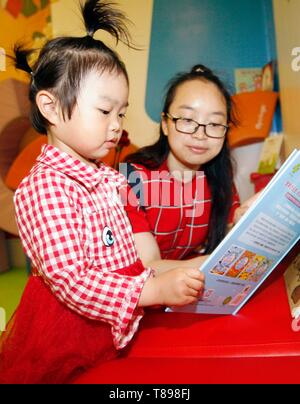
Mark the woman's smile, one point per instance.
(198, 149)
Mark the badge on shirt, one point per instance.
(107, 237)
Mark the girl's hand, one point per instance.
(181, 286)
(176, 287)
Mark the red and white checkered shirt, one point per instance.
(177, 213)
(75, 231)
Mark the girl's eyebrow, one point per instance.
(113, 101)
(187, 107)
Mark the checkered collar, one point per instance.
(89, 176)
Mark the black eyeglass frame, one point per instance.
(173, 119)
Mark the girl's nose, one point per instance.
(116, 125)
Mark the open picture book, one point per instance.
(255, 245)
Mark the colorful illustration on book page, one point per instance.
(240, 265)
(231, 255)
(251, 268)
(236, 300)
(260, 270)
(207, 294)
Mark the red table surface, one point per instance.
(258, 345)
(195, 371)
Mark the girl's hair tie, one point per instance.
(201, 69)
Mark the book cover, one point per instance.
(268, 77)
(292, 283)
(248, 79)
(255, 245)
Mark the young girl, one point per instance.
(85, 300)
(191, 157)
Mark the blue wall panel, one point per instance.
(222, 34)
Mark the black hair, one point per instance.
(63, 62)
(219, 171)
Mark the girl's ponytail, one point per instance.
(100, 15)
(20, 58)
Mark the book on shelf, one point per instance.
(270, 154)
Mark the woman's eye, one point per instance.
(215, 124)
(122, 116)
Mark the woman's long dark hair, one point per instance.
(219, 171)
(63, 62)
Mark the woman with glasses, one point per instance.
(185, 180)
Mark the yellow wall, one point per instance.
(287, 25)
(66, 21)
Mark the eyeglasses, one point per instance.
(190, 127)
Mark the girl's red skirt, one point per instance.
(46, 342)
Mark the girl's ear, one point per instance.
(164, 125)
(48, 106)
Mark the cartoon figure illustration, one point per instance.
(208, 293)
(251, 268)
(243, 87)
(260, 271)
(257, 82)
(240, 265)
(227, 260)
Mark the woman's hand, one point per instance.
(239, 212)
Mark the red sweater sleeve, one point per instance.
(235, 204)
